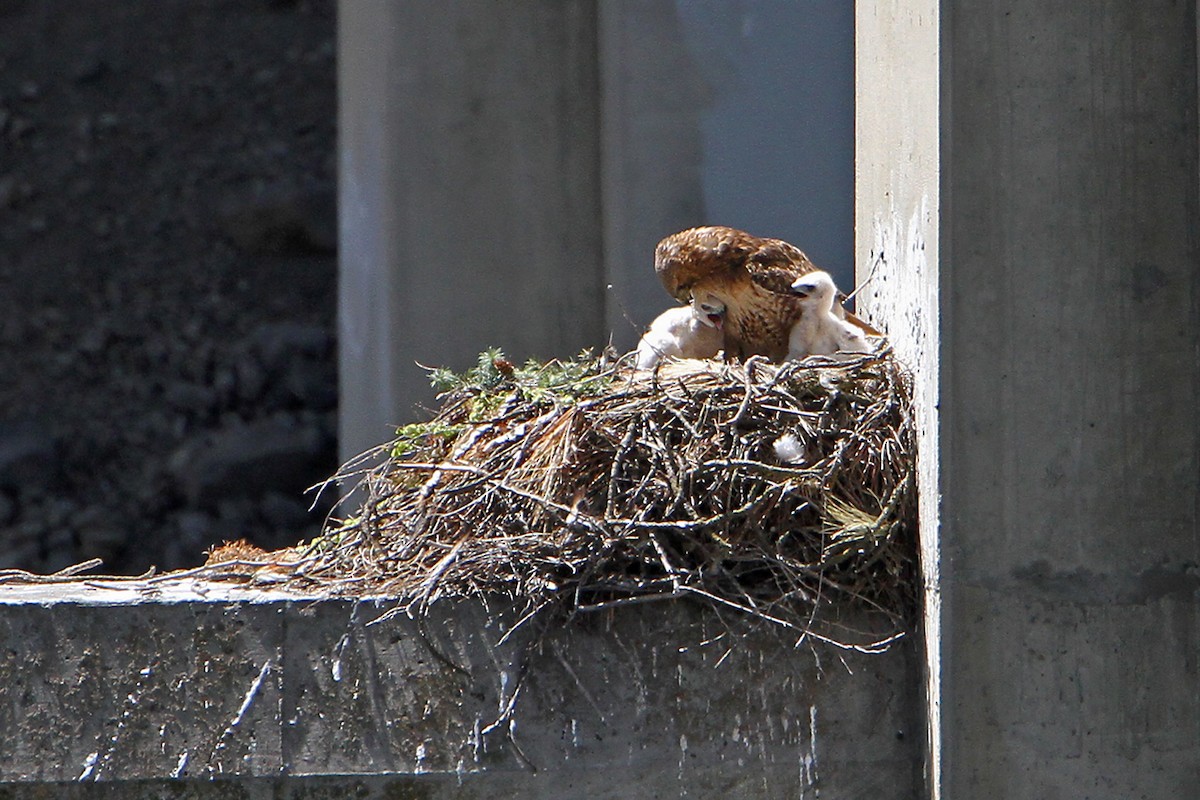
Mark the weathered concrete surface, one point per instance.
(1064, 319)
(658, 700)
(652, 153)
(469, 194)
(897, 205)
(722, 113)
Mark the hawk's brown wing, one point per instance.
(775, 265)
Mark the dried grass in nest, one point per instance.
(632, 487)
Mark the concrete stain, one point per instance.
(1094, 588)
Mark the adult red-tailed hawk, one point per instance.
(819, 331)
(753, 277)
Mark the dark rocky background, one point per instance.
(167, 277)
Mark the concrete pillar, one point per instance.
(719, 113)
(1028, 199)
(652, 153)
(469, 194)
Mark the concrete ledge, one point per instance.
(274, 695)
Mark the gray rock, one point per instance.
(194, 532)
(235, 512)
(311, 384)
(251, 378)
(8, 188)
(99, 532)
(249, 459)
(57, 511)
(95, 339)
(28, 455)
(192, 397)
(90, 69)
(224, 382)
(285, 512)
(165, 81)
(59, 549)
(287, 366)
(278, 342)
(21, 554)
(105, 544)
(194, 526)
(283, 221)
(20, 127)
(237, 518)
(12, 8)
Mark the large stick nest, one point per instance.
(593, 485)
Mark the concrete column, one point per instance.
(469, 172)
(718, 113)
(652, 153)
(897, 205)
(1028, 198)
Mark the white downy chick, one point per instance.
(691, 331)
(790, 450)
(819, 331)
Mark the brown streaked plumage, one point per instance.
(753, 277)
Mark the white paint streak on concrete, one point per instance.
(251, 693)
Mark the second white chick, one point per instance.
(691, 331)
(819, 331)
